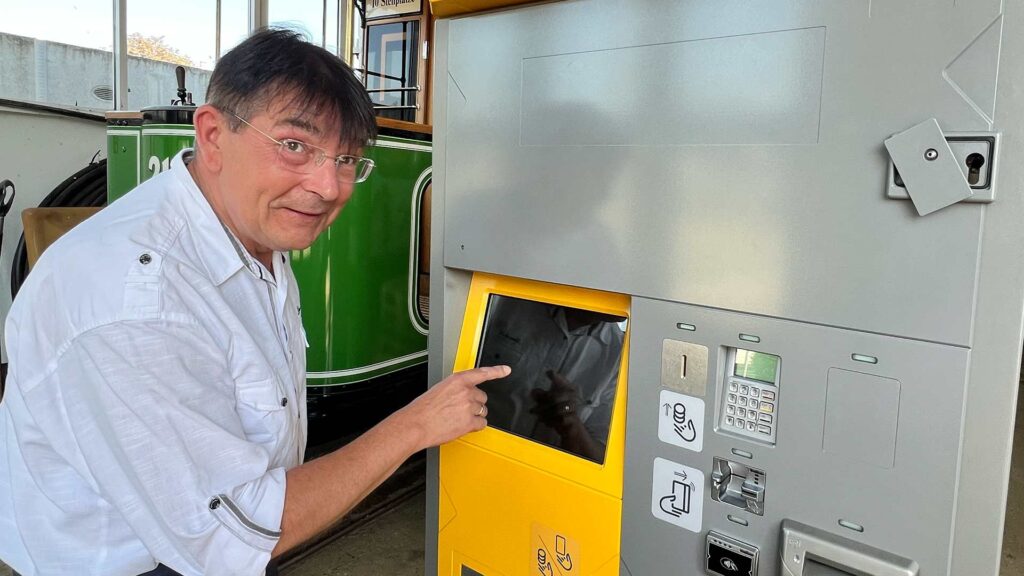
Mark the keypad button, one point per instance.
(732, 398)
(753, 404)
(755, 392)
(733, 386)
(750, 425)
(742, 413)
(767, 407)
(744, 389)
(765, 429)
(730, 409)
(768, 395)
(741, 423)
(730, 421)
(766, 418)
(743, 400)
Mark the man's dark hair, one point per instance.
(276, 62)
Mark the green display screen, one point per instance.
(756, 365)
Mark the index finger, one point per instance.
(478, 376)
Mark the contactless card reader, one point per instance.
(729, 557)
(750, 401)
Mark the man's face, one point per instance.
(269, 205)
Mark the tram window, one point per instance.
(304, 16)
(160, 39)
(65, 60)
(392, 68)
(565, 371)
(332, 28)
(234, 24)
(423, 259)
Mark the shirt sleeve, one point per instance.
(146, 414)
(598, 422)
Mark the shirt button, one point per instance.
(215, 503)
(145, 259)
(284, 401)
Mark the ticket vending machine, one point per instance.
(546, 475)
(802, 220)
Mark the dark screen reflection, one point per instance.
(565, 369)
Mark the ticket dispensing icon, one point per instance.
(677, 502)
(562, 553)
(677, 494)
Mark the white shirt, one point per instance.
(155, 396)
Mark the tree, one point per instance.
(155, 48)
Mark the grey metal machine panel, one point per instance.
(902, 491)
(722, 162)
(725, 153)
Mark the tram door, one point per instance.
(396, 66)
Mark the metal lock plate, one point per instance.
(928, 168)
(975, 153)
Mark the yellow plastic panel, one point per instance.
(501, 495)
(448, 8)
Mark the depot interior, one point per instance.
(746, 339)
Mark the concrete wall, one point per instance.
(35, 70)
(38, 150)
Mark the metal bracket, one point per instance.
(926, 167)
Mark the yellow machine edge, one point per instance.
(449, 8)
(511, 506)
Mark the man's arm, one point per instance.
(322, 491)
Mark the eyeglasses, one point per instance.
(304, 158)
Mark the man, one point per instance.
(154, 418)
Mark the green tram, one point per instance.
(363, 284)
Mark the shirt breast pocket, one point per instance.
(501, 348)
(261, 409)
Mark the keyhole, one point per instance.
(974, 163)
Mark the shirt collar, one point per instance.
(215, 246)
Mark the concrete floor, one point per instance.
(391, 544)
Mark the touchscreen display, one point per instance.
(565, 370)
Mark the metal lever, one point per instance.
(179, 72)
